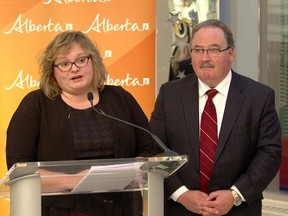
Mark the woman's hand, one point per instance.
(57, 181)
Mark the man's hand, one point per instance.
(217, 203)
(195, 201)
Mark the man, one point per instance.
(248, 134)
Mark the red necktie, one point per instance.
(208, 140)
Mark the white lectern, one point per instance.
(25, 183)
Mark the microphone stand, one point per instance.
(164, 148)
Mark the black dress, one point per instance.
(93, 139)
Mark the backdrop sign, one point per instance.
(124, 31)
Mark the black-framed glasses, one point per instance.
(67, 65)
(210, 51)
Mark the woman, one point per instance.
(57, 122)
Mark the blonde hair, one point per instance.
(62, 44)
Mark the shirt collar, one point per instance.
(222, 87)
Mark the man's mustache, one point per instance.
(206, 65)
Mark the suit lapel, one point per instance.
(234, 102)
(190, 97)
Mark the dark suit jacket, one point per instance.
(249, 147)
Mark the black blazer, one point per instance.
(249, 147)
(40, 125)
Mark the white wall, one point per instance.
(164, 42)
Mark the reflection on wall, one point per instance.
(274, 69)
(184, 14)
(283, 83)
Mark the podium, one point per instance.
(25, 183)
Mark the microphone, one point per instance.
(164, 148)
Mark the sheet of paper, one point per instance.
(108, 177)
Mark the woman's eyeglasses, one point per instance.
(67, 65)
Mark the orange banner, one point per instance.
(123, 30)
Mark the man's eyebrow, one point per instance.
(210, 46)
